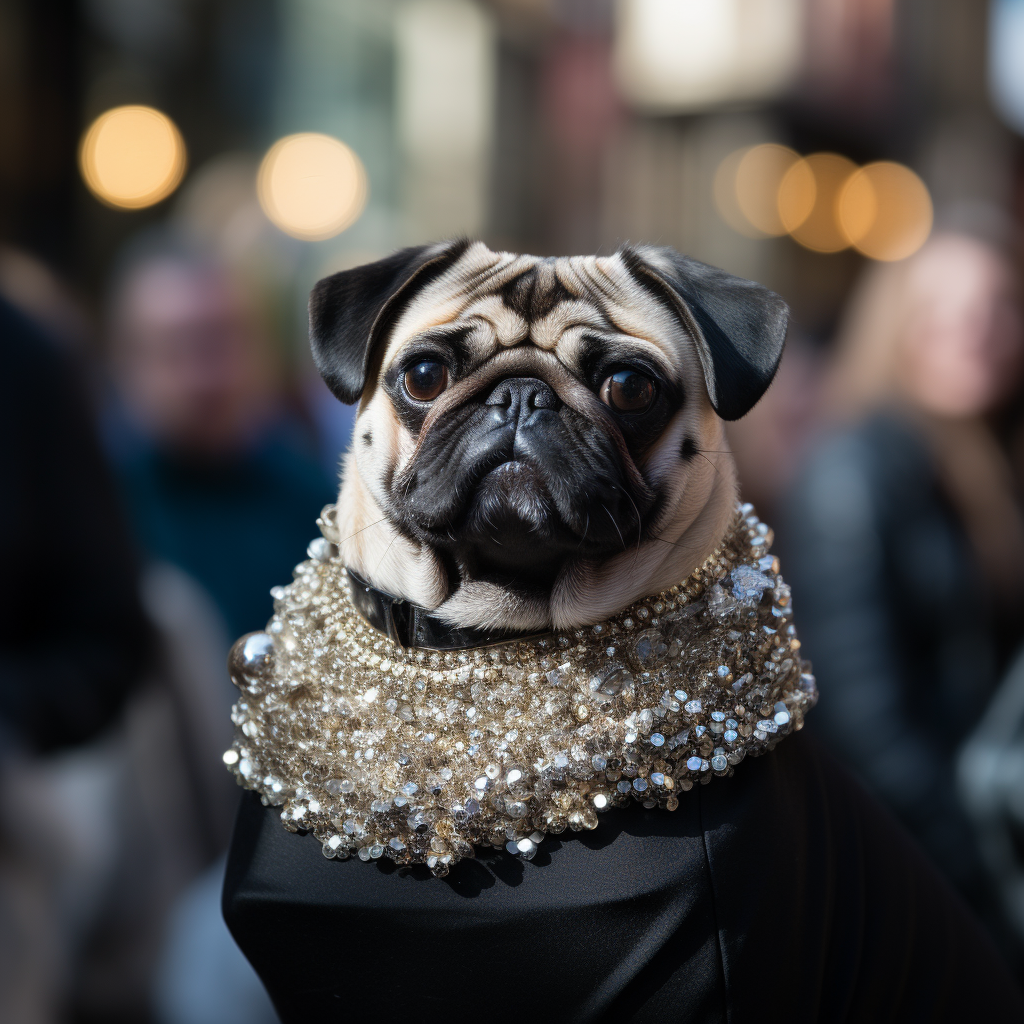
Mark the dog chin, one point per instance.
(512, 528)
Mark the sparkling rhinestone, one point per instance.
(363, 716)
(611, 679)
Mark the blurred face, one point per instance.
(191, 364)
(964, 346)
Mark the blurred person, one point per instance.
(906, 542)
(990, 776)
(73, 643)
(72, 632)
(219, 480)
(223, 486)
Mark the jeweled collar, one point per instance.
(382, 749)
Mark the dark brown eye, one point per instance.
(425, 381)
(628, 391)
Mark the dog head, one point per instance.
(539, 442)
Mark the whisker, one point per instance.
(586, 530)
(708, 461)
(356, 534)
(615, 524)
(385, 555)
(674, 543)
(639, 524)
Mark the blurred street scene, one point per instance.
(175, 175)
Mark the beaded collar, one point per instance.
(420, 755)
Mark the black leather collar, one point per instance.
(409, 625)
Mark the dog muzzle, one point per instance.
(386, 733)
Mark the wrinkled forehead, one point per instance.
(497, 300)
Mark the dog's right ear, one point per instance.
(350, 311)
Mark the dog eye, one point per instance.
(425, 381)
(628, 391)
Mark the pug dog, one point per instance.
(539, 441)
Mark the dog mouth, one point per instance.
(520, 489)
(511, 522)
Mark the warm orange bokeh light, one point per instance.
(885, 211)
(759, 174)
(132, 157)
(796, 195)
(312, 186)
(807, 200)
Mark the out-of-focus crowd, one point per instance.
(151, 502)
(154, 496)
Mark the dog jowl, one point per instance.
(539, 442)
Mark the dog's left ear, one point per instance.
(739, 326)
(350, 311)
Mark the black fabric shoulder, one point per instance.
(781, 894)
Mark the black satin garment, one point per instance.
(781, 894)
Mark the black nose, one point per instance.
(518, 397)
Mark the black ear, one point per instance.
(739, 326)
(350, 311)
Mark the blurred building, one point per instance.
(545, 125)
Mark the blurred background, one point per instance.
(174, 177)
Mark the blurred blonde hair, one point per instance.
(863, 375)
(971, 465)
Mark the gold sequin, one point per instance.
(419, 756)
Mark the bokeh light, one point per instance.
(723, 191)
(132, 157)
(885, 211)
(796, 195)
(759, 174)
(312, 186)
(807, 197)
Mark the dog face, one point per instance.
(539, 441)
